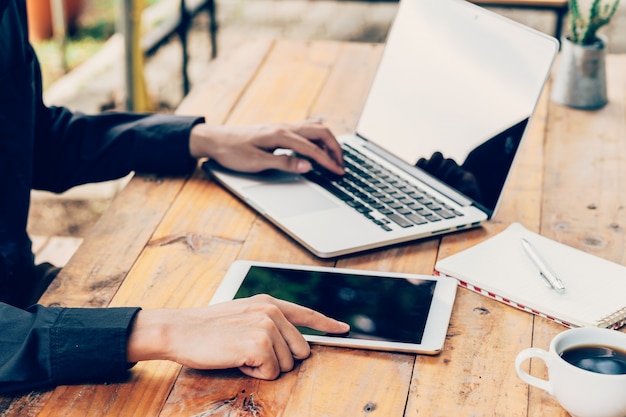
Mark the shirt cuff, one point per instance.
(89, 344)
(163, 146)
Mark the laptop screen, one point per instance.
(454, 92)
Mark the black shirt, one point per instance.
(52, 148)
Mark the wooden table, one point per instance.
(168, 243)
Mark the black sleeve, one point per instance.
(46, 346)
(74, 148)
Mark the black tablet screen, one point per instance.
(387, 309)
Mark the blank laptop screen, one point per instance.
(454, 92)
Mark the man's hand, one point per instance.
(256, 335)
(250, 148)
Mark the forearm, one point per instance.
(72, 148)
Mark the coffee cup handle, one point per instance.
(529, 379)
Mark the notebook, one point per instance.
(454, 92)
(500, 268)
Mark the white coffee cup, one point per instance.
(581, 392)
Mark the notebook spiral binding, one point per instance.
(614, 320)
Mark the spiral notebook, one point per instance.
(499, 268)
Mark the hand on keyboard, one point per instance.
(379, 194)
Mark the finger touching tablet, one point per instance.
(386, 311)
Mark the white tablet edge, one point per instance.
(437, 322)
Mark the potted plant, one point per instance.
(580, 81)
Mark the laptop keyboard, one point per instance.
(379, 194)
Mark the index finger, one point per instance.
(324, 139)
(303, 316)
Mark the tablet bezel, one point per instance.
(436, 324)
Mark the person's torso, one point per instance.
(18, 97)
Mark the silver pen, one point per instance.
(548, 275)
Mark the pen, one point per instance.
(545, 271)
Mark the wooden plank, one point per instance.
(350, 382)
(586, 159)
(226, 78)
(202, 212)
(26, 405)
(110, 249)
(186, 259)
(287, 83)
(340, 102)
(306, 391)
(278, 247)
(102, 263)
(225, 393)
(584, 195)
(122, 400)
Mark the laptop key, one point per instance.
(434, 207)
(399, 220)
(433, 217)
(416, 218)
(329, 186)
(445, 214)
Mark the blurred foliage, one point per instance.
(96, 24)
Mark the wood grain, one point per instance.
(167, 243)
(585, 193)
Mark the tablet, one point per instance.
(386, 311)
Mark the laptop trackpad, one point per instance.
(290, 199)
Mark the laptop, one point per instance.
(444, 118)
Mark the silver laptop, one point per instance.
(443, 120)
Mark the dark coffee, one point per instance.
(599, 359)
